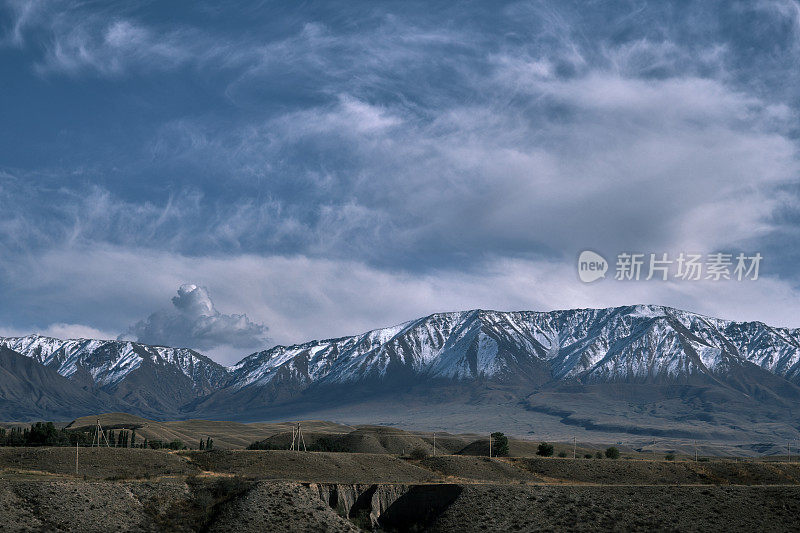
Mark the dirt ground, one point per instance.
(281, 506)
(172, 505)
(606, 471)
(454, 468)
(312, 466)
(147, 490)
(96, 463)
(76, 505)
(576, 508)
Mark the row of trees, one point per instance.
(42, 434)
(123, 439)
(47, 434)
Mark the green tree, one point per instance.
(202, 444)
(42, 434)
(499, 444)
(612, 453)
(545, 449)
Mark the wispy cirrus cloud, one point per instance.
(416, 148)
(111, 40)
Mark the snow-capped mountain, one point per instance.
(525, 350)
(152, 378)
(590, 345)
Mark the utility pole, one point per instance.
(490, 445)
(695, 451)
(100, 433)
(293, 437)
(434, 444)
(574, 447)
(300, 434)
(789, 452)
(76, 457)
(654, 449)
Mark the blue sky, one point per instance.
(322, 168)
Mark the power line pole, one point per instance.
(76, 457)
(695, 451)
(300, 437)
(434, 444)
(100, 433)
(574, 447)
(490, 445)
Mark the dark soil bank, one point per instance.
(229, 504)
(594, 508)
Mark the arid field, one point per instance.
(280, 490)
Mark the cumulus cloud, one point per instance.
(194, 322)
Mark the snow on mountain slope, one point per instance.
(623, 344)
(108, 363)
(591, 345)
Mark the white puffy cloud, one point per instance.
(194, 322)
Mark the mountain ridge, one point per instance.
(520, 357)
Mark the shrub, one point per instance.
(612, 453)
(562, 454)
(419, 453)
(327, 444)
(545, 450)
(670, 457)
(599, 455)
(499, 444)
(587, 456)
(266, 445)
